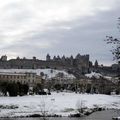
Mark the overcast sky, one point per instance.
(37, 27)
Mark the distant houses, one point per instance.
(61, 81)
(24, 78)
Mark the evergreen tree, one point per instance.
(13, 89)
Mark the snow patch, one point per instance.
(50, 73)
(93, 74)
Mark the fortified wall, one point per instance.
(80, 62)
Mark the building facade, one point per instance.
(24, 78)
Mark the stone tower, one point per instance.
(48, 57)
(71, 60)
(4, 58)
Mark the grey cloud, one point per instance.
(86, 35)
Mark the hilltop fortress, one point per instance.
(80, 62)
(78, 65)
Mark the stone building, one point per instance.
(24, 78)
(80, 62)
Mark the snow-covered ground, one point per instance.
(49, 72)
(93, 74)
(97, 76)
(58, 103)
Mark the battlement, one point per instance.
(78, 56)
(80, 62)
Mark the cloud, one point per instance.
(56, 26)
(22, 16)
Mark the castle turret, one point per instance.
(63, 59)
(82, 63)
(48, 57)
(58, 57)
(54, 58)
(18, 58)
(24, 58)
(71, 60)
(78, 56)
(96, 64)
(34, 58)
(4, 58)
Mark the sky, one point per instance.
(66, 27)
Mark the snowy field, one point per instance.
(58, 103)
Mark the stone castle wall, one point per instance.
(80, 62)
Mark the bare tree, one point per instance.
(115, 42)
(43, 110)
(46, 108)
(80, 106)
